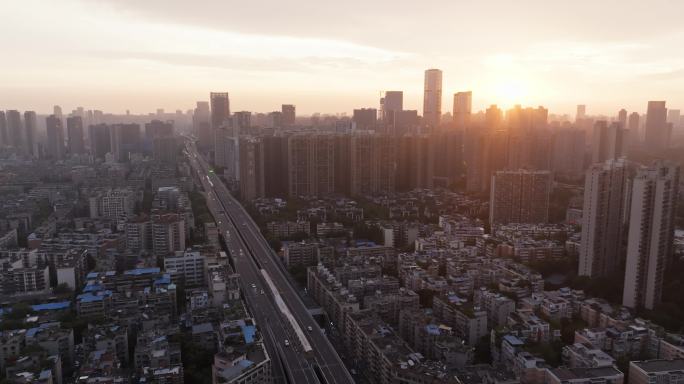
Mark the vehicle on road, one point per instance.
(253, 285)
(287, 343)
(309, 328)
(262, 291)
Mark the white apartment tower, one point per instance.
(650, 236)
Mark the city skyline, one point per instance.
(119, 56)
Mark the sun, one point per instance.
(511, 92)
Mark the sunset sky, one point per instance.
(333, 56)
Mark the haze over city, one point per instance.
(359, 192)
(331, 57)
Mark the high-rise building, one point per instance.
(463, 105)
(311, 165)
(391, 105)
(165, 149)
(415, 162)
(568, 151)
(372, 164)
(3, 129)
(220, 108)
(622, 118)
(432, 97)
(674, 118)
(158, 128)
(288, 114)
(14, 129)
(493, 118)
(608, 142)
(30, 123)
(651, 234)
(55, 137)
(243, 120)
(201, 122)
(581, 112)
(276, 165)
(252, 183)
(447, 148)
(100, 140)
(602, 218)
(657, 133)
(520, 196)
(57, 112)
(365, 118)
(168, 233)
(633, 128)
(75, 145)
(226, 151)
(125, 140)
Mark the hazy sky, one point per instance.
(333, 56)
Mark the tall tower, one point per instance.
(520, 196)
(220, 108)
(463, 104)
(3, 129)
(581, 112)
(650, 236)
(75, 142)
(657, 133)
(432, 97)
(604, 192)
(14, 130)
(55, 137)
(201, 122)
(288, 114)
(633, 127)
(608, 142)
(30, 122)
(622, 118)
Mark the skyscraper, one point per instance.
(493, 118)
(391, 105)
(673, 118)
(201, 122)
(365, 118)
(220, 108)
(604, 193)
(463, 104)
(55, 138)
(252, 183)
(100, 141)
(75, 142)
(581, 112)
(432, 97)
(14, 129)
(3, 129)
(622, 118)
(288, 111)
(125, 139)
(657, 134)
(372, 164)
(651, 232)
(568, 151)
(608, 142)
(243, 120)
(633, 127)
(311, 165)
(520, 196)
(30, 122)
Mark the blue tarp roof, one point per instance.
(248, 331)
(432, 329)
(51, 306)
(142, 271)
